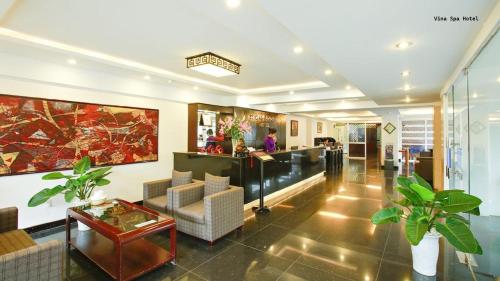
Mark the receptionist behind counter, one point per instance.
(270, 141)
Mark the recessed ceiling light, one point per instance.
(474, 95)
(328, 72)
(348, 87)
(231, 4)
(291, 92)
(406, 87)
(147, 77)
(405, 73)
(404, 45)
(71, 61)
(498, 79)
(196, 88)
(408, 99)
(298, 49)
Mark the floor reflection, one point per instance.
(324, 233)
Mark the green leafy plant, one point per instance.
(79, 185)
(425, 209)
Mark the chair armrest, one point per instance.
(155, 188)
(39, 262)
(224, 210)
(187, 194)
(8, 219)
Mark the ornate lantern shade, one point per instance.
(212, 64)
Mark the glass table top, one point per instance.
(122, 215)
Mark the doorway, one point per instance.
(373, 141)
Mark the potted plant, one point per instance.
(79, 185)
(428, 215)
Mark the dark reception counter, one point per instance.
(289, 167)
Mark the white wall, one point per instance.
(392, 116)
(307, 131)
(326, 132)
(25, 76)
(301, 139)
(126, 180)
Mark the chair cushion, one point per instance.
(194, 212)
(214, 184)
(158, 203)
(180, 178)
(14, 240)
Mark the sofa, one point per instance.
(157, 195)
(208, 216)
(21, 259)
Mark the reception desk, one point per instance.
(288, 168)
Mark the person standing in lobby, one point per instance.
(270, 141)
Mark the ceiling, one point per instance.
(355, 39)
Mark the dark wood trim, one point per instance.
(192, 127)
(215, 55)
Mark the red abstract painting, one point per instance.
(41, 135)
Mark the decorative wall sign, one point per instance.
(294, 128)
(319, 127)
(41, 135)
(389, 128)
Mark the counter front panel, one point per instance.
(288, 168)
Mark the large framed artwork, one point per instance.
(294, 128)
(41, 135)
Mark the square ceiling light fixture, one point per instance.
(212, 64)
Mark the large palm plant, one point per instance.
(425, 209)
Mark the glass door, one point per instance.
(460, 167)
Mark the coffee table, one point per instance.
(116, 242)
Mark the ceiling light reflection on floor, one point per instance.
(333, 215)
(346, 197)
(371, 186)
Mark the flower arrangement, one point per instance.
(234, 128)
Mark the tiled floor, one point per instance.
(322, 234)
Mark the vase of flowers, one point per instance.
(234, 128)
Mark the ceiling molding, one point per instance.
(137, 66)
(488, 29)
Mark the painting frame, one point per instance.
(151, 114)
(319, 127)
(389, 128)
(294, 128)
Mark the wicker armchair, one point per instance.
(21, 259)
(157, 195)
(207, 217)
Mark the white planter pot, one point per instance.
(82, 226)
(425, 254)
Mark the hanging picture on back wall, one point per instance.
(294, 128)
(41, 135)
(319, 127)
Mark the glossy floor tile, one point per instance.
(324, 233)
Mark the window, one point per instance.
(418, 135)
